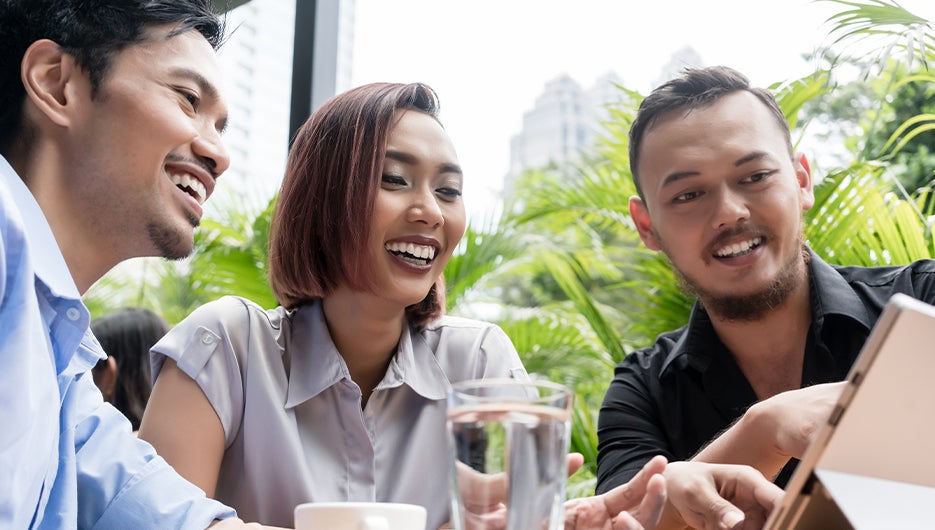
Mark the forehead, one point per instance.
(719, 133)
(160, 51)
(421, 135)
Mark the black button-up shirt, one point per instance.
(676, 396)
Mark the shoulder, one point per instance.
(667, 348)
(883, 275)
(233, 313)
(229, 324)
(916, 279)
(463, 330)
(469, 349)
(449, 323)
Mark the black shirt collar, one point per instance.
(830, 295)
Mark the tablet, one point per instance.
(873, 464)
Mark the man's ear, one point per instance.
(803, 175)
(643, 223)
(48, 76)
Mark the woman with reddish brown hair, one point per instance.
(338, 394)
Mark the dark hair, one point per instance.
(127, 335)
(323, 214)
(695, 88)
(93, 31)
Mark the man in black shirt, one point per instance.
(774, 330)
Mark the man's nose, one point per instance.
(731, 208)
(209, 147)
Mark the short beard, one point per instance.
(750, 307)
(169, 244)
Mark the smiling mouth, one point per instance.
(419, 255)
(190, 185)
(739, 249)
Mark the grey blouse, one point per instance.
(294, 428)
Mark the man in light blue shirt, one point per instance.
(110, 129)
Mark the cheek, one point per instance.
(455, 224)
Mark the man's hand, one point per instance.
(775, 429)
(796, 416)
(635, 505)
(720, 496)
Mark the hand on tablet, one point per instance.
(720, 496)
(796, 416)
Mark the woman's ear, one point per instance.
(48, 75)
(105, 377)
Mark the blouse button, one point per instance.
(73, 314)
(206, 338)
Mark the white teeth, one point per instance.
(187, 181)
(738, 248)
(423, 252)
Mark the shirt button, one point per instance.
(73, 314)
(206, 338)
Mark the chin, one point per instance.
(171, 244)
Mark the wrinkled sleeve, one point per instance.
(122, 482)
(210, 347)
(629, 428)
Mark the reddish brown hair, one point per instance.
(324, 211)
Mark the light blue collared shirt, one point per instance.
(67, 459)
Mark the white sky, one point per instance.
(490, 59)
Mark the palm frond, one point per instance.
(883, 26)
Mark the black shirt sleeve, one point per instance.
(629, 426)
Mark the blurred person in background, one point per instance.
(126, 336)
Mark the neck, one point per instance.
(366, 333)
(87, 256)
(770, 350)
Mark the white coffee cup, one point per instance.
(359, 516)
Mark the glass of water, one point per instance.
(508, 441)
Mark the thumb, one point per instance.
(713, 512)
(574, 461)
(728, 516)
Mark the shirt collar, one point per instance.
(830, 294)
(47, 259)
(316, 364)
(415, 365)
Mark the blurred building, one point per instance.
(566, 120)
(563, 124)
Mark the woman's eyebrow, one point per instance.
(410, 159)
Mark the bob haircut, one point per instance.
(324, 211)
(694, 89)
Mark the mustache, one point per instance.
(206, 164)
(741, 231)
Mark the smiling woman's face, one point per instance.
(418, 215)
